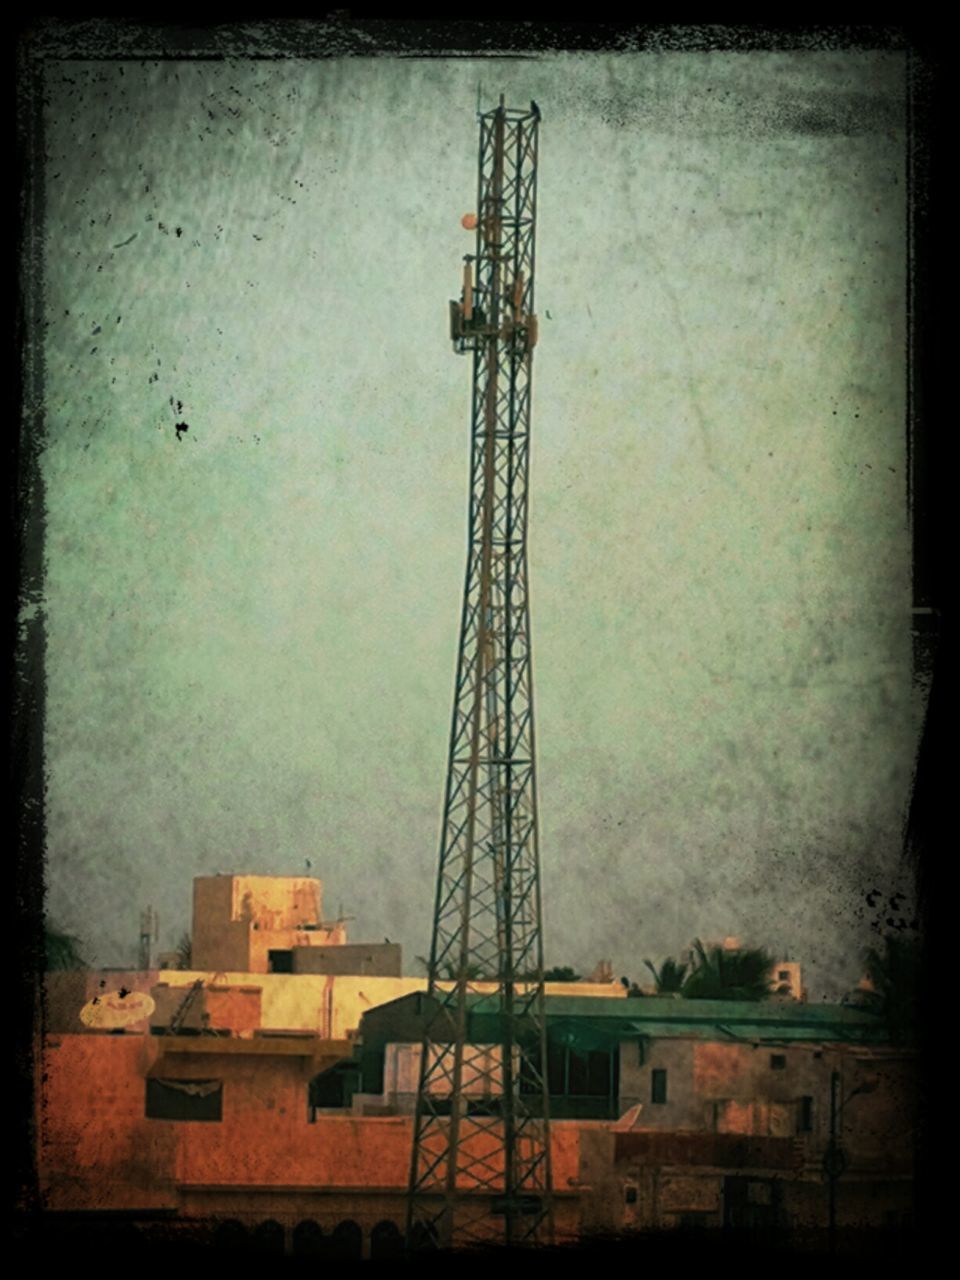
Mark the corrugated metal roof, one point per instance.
(592, 1021)
(597, 1020)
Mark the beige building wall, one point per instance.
(277, 902)
(332, 1005)
(727, 1088)
(785, 980)
(239, 920)
(219, 939)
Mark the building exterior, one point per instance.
(272, 1106)
(717, 1113)
(219, 1132)
(686, 1065)
(665, 1113)
(762, 1163)
(360, 959)
(786, 981)
(251, 924)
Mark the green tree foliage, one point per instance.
(61, 950)
(448, 970)
(894, 970)
(718, 974)
(669, 978)
(561, 973)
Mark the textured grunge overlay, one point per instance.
(251, 443)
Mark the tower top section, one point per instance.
(495, 307)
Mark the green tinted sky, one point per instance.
(252, 629)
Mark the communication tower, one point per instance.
(480, 1170)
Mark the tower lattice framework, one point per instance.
(480, 1168)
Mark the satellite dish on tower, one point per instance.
(113, 1010)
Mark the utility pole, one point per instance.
(480, 1169)
(835, 1158)
(149, 933)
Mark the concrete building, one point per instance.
(717, 1113)
(367, 959)
(272, 1106)
(786, 981)
(330, 1005)
(218, 1134)
(664, 1115)
(763, 1161)
(685, 1064)
(251, 924)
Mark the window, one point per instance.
(658, 1085)
(805, 1116)
(778, 1062)
(629, 1194)
(783, 975)
(280, 961)
(184, 1100)
(589, 1073)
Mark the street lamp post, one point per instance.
(835, 1160)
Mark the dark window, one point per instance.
(783, 975)
(308, 1241)
(231, 1236)
(778, 1061)
(333, 1088)
(577, 1073)
(805, 1116)
(630, 1195)
(556, 1068)
(586, 1075)
(268, 1237)
(184, 1100)
(386, 1241)
(280, 962)
(658, 1085)
(346, 1242)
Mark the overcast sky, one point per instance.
(252, 628)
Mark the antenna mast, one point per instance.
(149, 933)
(480, 1170)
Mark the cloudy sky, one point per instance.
(252, 624)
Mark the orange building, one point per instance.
(262, 1107)
(219, 1132)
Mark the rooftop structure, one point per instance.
(251, 924)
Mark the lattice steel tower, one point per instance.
(480, 1170)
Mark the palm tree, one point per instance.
(449, 969)
(61, 949)
(719, 974)
(669, 977)
(894, 972)
(561, 973)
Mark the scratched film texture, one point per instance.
(253, 622)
